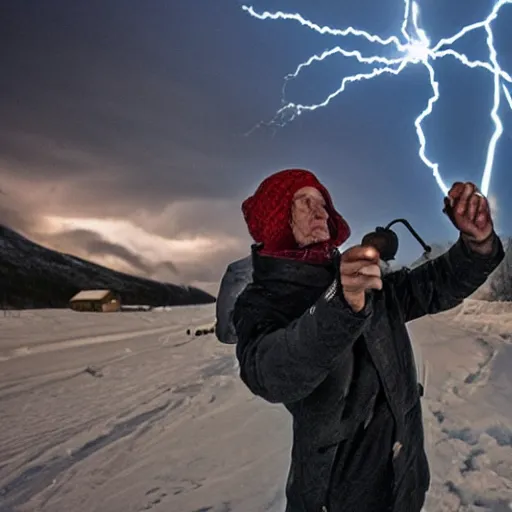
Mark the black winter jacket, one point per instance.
(296, 338)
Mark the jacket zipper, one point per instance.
(336, 257)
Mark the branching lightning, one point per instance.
(412, 47)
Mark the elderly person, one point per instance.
(324, 334)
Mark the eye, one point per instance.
(311, 203)
(315, 203)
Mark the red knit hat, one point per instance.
(267, 212)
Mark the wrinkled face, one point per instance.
(309, 217)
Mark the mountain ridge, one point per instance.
(33, 277)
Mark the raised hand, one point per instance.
(469, 212)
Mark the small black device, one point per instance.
(385, 240)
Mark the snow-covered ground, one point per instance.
(125, 412)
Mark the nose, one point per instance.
(320, 212)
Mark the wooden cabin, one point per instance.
(104, 301)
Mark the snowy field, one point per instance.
(125, 412)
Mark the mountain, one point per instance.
(33, 276)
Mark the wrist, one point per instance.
(483, 247)
(356, 302)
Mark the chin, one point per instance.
(321, 237)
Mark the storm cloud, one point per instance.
(123, 114)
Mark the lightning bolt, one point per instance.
(412, 47)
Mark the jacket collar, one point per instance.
(272, 271)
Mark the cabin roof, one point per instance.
(90, 295)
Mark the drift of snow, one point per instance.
(126, 412)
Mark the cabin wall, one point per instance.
(107, 305)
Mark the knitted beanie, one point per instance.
(267, 212)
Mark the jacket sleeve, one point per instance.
(443, 283)
(284, 365)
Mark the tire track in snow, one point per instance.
(39, 477)
(82, 342)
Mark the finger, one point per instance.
(473, 206)
(483, 206)
(360, 283)
(461, 204)
(456, 190)
(360, 252)
(448, 204)
(371, 271)
(358, 267)
(483, 213)
(452, 197)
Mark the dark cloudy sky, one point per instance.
(122, 125)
